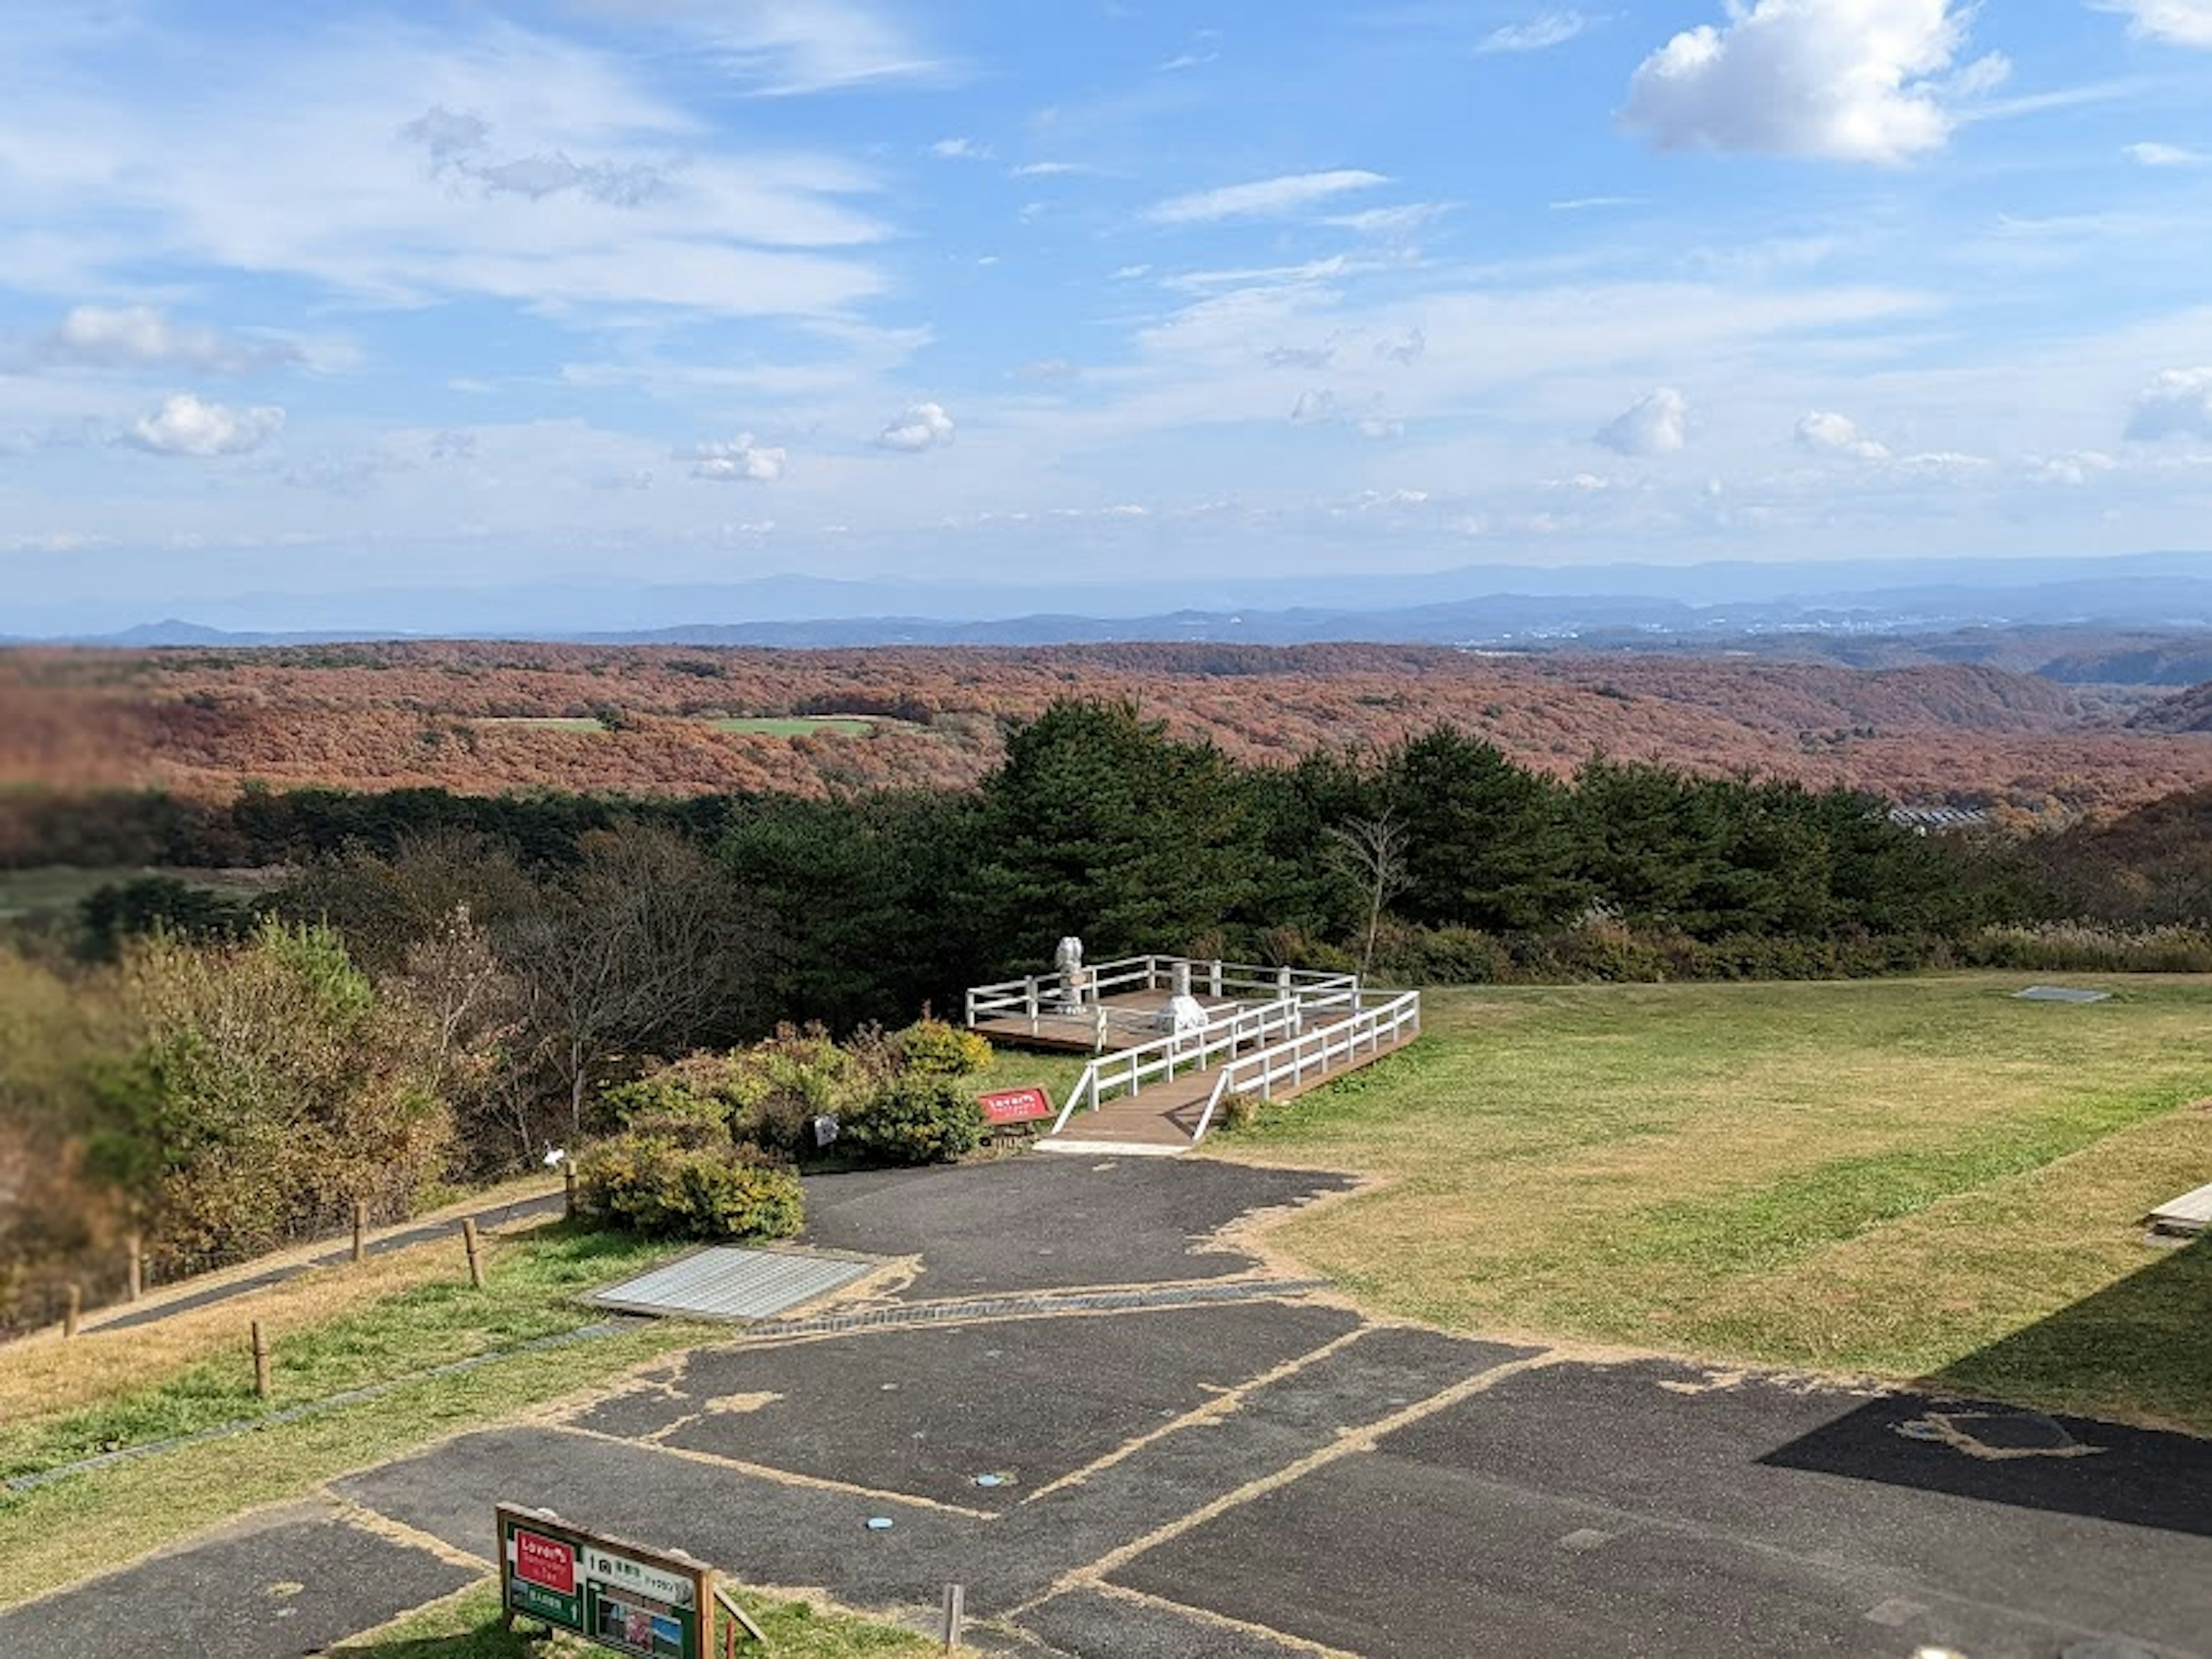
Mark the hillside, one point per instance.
(2184, 711)
(482, 716)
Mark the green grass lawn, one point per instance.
(1917, 1178)
(466, 1626)
(799, 726)
(531, 1286)
(56, 1534)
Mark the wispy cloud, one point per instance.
(2182, 22)
(1538, 34)
(1263, 198)
(2165, 156)
(144, 338)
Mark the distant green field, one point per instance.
(1919, 1178)
(546, 722)
(799, 725)
(56, 890)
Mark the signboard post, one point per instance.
(1003, 1108)
(648, 1604)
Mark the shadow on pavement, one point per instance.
(1956, 1436)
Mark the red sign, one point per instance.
(1015, 1105)
(545, 1561)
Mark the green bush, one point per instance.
(916, 1119)
(683, 1180)
(935, 1048)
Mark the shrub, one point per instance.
(689, 1182)
(917, 1119)
(935, 1048)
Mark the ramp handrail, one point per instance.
(1392, 1020)
(1127, 1070)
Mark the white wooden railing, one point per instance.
(1062, 996)
(1127, 1071)
(1391, 1020)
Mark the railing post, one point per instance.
(1029, 1001)
(971, 1006)
(1217, 977)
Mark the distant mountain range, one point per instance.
(1878, 613)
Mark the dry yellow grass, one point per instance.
(1891, 1176)
(42, 1373)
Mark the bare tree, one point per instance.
(1370, 854)
(643, 946)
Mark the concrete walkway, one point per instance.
(1258, 1474)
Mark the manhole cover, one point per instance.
(722, 1281)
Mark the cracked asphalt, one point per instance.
(1245, 1478)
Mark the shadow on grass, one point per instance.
(2147, 1340)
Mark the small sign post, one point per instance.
(649, 1604)
(1004, 1107)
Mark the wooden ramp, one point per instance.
(2190, 1213)
(1163, 1120)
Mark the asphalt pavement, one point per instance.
(1260, 1474)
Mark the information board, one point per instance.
(1015, 1105)
(646, 1603)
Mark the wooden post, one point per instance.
(261, 1361)
(956, 1615)
(137, 1247)
(1029, 1000)
(1217, 978)
(72, 1308)
(568, 1188)
(360, 1231)
(471, 1243)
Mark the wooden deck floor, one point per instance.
(1164, 1117)
(2189, 1213)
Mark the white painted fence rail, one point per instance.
(1127, 1071)
(1391, 1020)
(1042, 996)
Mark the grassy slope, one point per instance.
(466, 1626)
(58, 1534)
(1916, 1178)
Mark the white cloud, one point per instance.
(1391, 221)
(1826, 433)
(1657, 423)
(2074, 471)
(185, 426)
(2164, 155)
(142, 337)
(2176, 403)
(1261, 198)
(1547, 30)
(959, 149)
(2184, 22)
(923, 426)
(1843, 80)
(741, 461)
(787, 47)
(1048, 169)
(1380, 427)
(1313, 406)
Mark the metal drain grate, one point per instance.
(724, 1282)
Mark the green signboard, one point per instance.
(646, 1603)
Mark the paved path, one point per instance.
(1244, 1479)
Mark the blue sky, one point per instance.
(331, 296)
